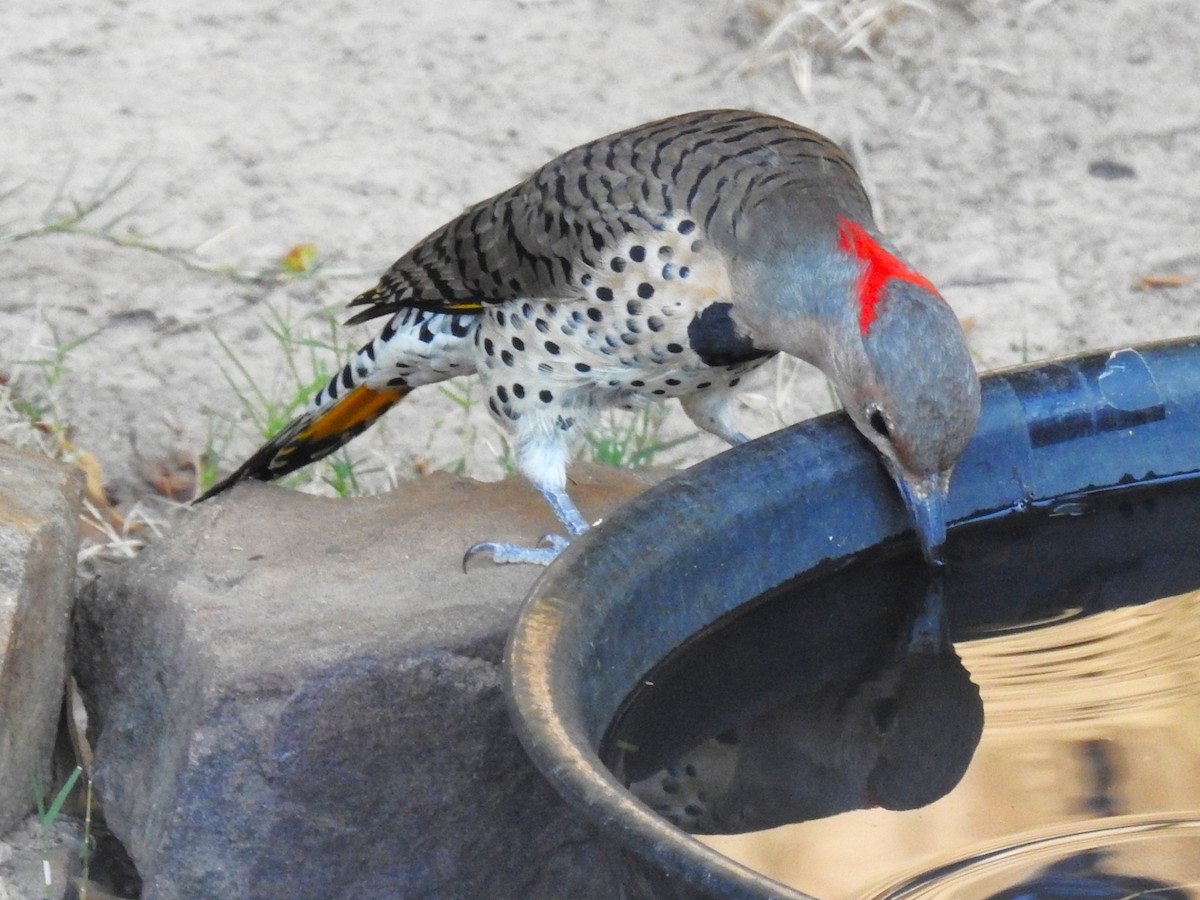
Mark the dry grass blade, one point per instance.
(800, 31)
(114, 539)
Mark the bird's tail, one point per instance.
(315, 434)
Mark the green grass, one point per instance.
(66, 213)
(631, 439)
(41, 405)
(33, 416)
(102, 215)
(48, 814)
(308, 363)
(461, 394)
(310, 349)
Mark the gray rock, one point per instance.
(26, 851)
(39, 538)
(295, 697)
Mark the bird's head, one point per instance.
(893, 350)
(913, 393)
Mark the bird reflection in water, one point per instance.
(881, 713)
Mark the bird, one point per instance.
(896, 732)
(664, 261)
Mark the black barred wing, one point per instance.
(537, 239)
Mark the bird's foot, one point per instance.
(548, 547)
(543, 554)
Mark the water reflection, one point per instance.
(896, 731)
(1085, 876)
(845, 693)
(1086, 721)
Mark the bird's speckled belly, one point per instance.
(623, 341)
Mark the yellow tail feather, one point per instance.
(362, 406)
(314, 435)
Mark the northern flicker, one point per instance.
(664, 261)
(897, 735)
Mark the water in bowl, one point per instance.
(1028, 727)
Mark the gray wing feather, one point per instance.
(528, 242)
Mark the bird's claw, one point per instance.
(543, 554)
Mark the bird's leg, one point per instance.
(564, 509)
(542, 455)
(549, 546)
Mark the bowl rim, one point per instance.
(791, 500)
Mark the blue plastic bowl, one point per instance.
(687, 552)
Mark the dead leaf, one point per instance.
(177, 481)
(1150, 282)
(299, 258)
(93, 489)
(94, 478)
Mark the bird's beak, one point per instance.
(925, 497)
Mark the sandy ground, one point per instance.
(1035, 159)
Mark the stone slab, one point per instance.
(39, 538)
(294, 696)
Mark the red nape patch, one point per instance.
(878, 266)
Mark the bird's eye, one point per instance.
(879, 424)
